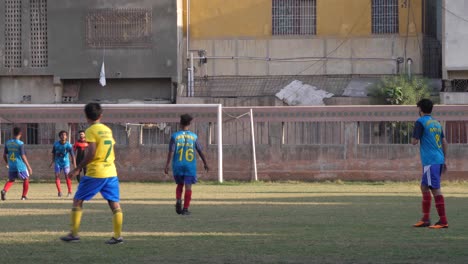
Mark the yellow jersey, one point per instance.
(102, 165)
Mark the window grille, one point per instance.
(380, 133)
(117, 28)
(385, 16)
(294, 17)
(313, 133)
(38, 16)
(13, 45)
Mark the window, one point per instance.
(294, 17)
(119, 28)
(385, 16)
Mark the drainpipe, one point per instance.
(409, 61)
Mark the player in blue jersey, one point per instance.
(62, 152)
(18, 165)
(433, 150)
(182, 149)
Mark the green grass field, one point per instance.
(240, 223)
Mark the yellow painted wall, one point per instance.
(229, 18)
(252, 18)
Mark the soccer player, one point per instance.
(433, 150)
(18, 165)
(79, 148)
(60, 157)
(184, 163)
(101, 175)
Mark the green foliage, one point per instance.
(401, 90)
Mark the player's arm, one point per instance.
(53, 157)
(202, 155)
(5, 155)
(417, 133)
(25, 159)
(72, 156)
(89, 155)
(444, 149)
(169, 155)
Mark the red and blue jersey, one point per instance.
(430, 133)
(184, 144)
(14, 150)
(61, 152)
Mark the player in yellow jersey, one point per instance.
(101, 175)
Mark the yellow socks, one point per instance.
(117, 221)
(76, 220)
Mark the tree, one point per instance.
(401, 90)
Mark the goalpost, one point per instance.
(117, 113)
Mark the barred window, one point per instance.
(381, 133)
(118, 28)
(294, 17)
(313, 133)
(385, 16)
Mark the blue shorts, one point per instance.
(431, 176)
(89, 187)
(13, 175)
(65, 169)
(185, 179)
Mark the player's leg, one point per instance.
(24, 175)
(111, 192)
(12, 175)
(189, 181)
(66, 170)
(179, 180)
(436, 171)
(426, 200)
(57, 170)
(87, 189)
(75, 220)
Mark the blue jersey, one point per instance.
(61, 152)
(14, 149)
(429, 132)
(184, 144)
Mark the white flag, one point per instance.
(102, 75)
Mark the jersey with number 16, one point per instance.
(102, 165)
(184, 144)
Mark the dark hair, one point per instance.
(81, 131)
(63, 132)
(16, 131)
(425, 105)
(93, 111)
(185, 119)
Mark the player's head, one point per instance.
(425, 106)
(185, 120)
(17, 132)
(63, 135)
(81, 134)
(93, 111)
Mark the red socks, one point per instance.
(8, 185)
(57, 183)
(426, 205)
(187, 198)
(440, 205)
(179, 190)
(69, 184)
(25, 187)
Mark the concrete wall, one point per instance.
(278, 162)
(30, 89)
(361, 55)
(455, 40)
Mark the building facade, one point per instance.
(337, 38)
(52, 51)
(455, 43)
